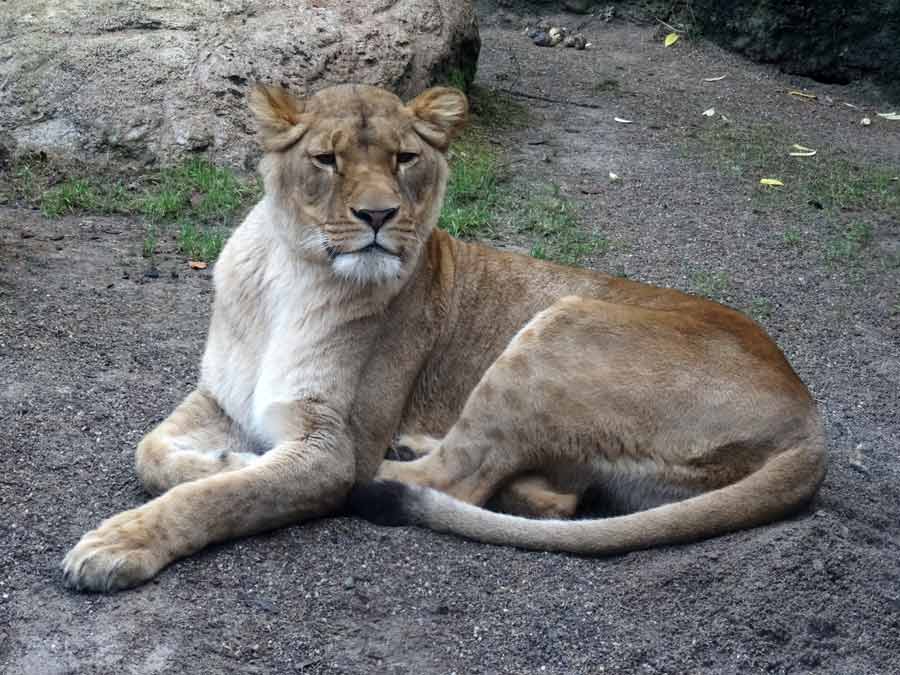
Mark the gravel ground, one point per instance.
(93, 352)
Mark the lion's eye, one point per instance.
(406, 157)
(325, 158)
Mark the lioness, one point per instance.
(343, 317)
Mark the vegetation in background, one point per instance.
(553, 222)
(822, 191)
(713, 285)
(482, 201)
(195, 202)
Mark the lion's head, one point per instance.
(360, 175)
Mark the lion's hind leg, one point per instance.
(197, 440)
(408, 447)
(533, 496)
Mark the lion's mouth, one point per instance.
(373, 247)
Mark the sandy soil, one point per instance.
(93, 352)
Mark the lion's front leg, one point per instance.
(305, 477)
(196, 441)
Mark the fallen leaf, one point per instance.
(801, 151)
(671, 39)
(198, 265)
(865, 121)
(802, 94)
(709, 112)
(894, 116)
(622, 120)
(774, 182)
(714, 79)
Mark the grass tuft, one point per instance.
(201, 243)
(553, 219)
(199, 190)
(846, 247)
(472, 191)
(713, 285)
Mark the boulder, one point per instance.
(829, 40)
(146, 82)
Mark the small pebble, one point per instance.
(556, 36)
(541, 39)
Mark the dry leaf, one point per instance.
(802, 94)
(622, 120)
(894, 116)
(801, 151)
(671, 39)
(709, 112)
(198, 265)
(714, 79)
(774, 182)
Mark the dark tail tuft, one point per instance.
(383, 502)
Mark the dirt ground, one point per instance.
(93, 352)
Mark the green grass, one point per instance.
(203, 198)
(151, 240)
(760, 309)
(552, 220)
(846, 248)
(792, 237)
(826, 181)
(195, 189)
(81, 195)
(713, 285)
(471, 201)
(199, 190)
(606, 86)
(201, 243)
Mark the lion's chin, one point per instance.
(368, 267)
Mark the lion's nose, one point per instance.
(374, 218)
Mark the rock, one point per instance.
(541, 39)
(830, 40)
(142, 82)
(578, 6)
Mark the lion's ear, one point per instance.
(440, 115)
(279, 116)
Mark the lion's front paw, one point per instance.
(123, 552)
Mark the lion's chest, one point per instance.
(273, 350)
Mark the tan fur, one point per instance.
(519, 382)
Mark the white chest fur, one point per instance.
(280, 330)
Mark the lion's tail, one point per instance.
(783, 484)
